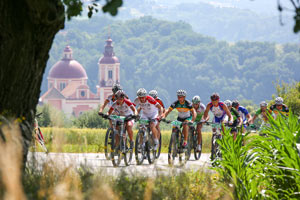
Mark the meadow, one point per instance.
(86, 140)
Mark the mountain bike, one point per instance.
(144, 143)
(120, 140)
(38, 135)
(108, 139)
(193, 141)
(175, 148)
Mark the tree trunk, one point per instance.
(27, 30)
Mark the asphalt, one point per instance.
(98, 162)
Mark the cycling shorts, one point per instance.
(185, 119)
(150, 116)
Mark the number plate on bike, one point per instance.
(144, 121)
(176, 123)
(116, 117)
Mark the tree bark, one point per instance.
(27, 30)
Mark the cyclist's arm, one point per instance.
(248, 116)
(110, 110)
(205, 116)
(240, 121)
(194, 114)
(160, 109)
(139, 110)
(253, 119)
(103, 106)
(133, 109)
(165, 114)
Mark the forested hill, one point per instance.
(168, 56)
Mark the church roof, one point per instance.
(53, 93)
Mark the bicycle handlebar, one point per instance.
(126, 118)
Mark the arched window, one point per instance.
(110, 74)
(82, 93)
(62, 86)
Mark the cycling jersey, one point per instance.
(111, 99)
(148, 107)
(263, 114)
(243, 113)
(122, 109)
(200, 112)
(284, 111)
(160, 102)
(218, 111)
(183, 109)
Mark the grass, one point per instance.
(75, 140)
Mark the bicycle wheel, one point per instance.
(172, 151)
(151, 153)
(190, 143)
(41, 140)
(115, 153)
(214, 146)
(159, 148)
(139, 151)
(183, 152)
(108, 138)
(197, 154)
(127, 152)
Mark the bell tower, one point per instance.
(109, 71)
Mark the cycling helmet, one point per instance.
(235, 103)
(116, 87)
(120, 94)
(181, 93)
(228, 103)
(215, 96)
(153, 93)
(278, 101)
(141, 92)
(196, 100)
(263, 104)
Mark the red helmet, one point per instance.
(215, 96)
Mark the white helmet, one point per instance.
(181, 93)
(153, 93)
(228, 103)
(263, 104)
(196, 99)
(278, 101)
(141, 92)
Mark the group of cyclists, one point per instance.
(150, 107)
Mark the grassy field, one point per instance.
(74, 140)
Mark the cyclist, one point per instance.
(279, 107)
(237, 119)
(154, 94)
(152, 110)
(243, 113)
(199, 108)
(124, 107)
(263, 110)
(219, 109)
(186, 112)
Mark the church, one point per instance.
(68, 90)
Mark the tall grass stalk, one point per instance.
(267, 167)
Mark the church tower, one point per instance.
(109, 71)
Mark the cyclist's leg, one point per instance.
(129, 126)
(185, 130)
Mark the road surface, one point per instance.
(98, 162)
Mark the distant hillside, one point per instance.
(229, 20)
(168, 56)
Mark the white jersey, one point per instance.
(124, 109)
(149, 107)
(201, 108)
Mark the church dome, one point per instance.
(67, 67)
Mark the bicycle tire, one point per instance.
(139, 148)
(159, 148)
(213, 146)
(190, 143)
(197, 154)
(183, 153)
(151, 153)
(108, 138)
(115, 153)
(128, 152)
(172, 149)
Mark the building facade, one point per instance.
(68, 90)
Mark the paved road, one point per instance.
(97, 162)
